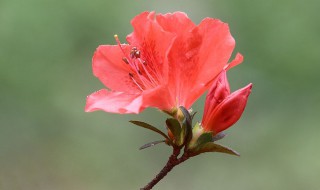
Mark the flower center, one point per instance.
(145, 75)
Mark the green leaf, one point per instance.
(187, 116)
(151, 144)
(150, 127)
(186, 133)
(192, 116)
(175, 128)
(212, 147)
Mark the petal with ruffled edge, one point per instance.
(108, 66)
(215, 51)
(177, 22)
(196, 57)
(114, 102)
(121, 102)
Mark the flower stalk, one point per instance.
(173, 161)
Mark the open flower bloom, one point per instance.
(168, 62)
(223, 109)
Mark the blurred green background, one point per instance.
(48, 142)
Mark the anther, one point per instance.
(134, 53)
(124, 59)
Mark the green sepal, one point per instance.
(186, 132)
(150, 144)
(175, 128)
(150, 127)
(202, 139)
(218, 136)
(192, 116)
(197, 127)
(213, 147)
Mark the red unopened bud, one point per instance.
(223, 109)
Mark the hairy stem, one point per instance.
(172, 162)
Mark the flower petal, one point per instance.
(184, 66)
(121, 102)
(216, 49)
(177, 22)
(152, 40)
(236, 61)
(108, 66)
(197, 57)
(229, 111)
(114, 102)
(158, 97)
(217, 93)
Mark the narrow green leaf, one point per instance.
(150, 144)
(187, 116)
(192, 116)
(150, 127)
(175, 128)
(183, 134)
(187, 126)
(212, 147)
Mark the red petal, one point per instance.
(216, 49)
(228, 112)
(177, 22)
(153, 41)
(159, 97)
(114, 102)
(217, 93)
(184, 67)
(236, 61)
(197, 57)
(120, 102)
(109, 67)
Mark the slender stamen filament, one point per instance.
(147, 72)
(118, 42)
(132, 78)
(146, 76)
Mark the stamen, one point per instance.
(119, 44)
(132, 78)
(152, 80)
(117, 39)
(124, 59)
(142, 74)
(135, 53)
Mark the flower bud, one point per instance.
(223, 109)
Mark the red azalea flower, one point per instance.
(169, 62)
(223, 109)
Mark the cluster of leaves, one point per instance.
(183, 134)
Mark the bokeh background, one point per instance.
(48, 142)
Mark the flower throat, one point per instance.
(144, 74)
